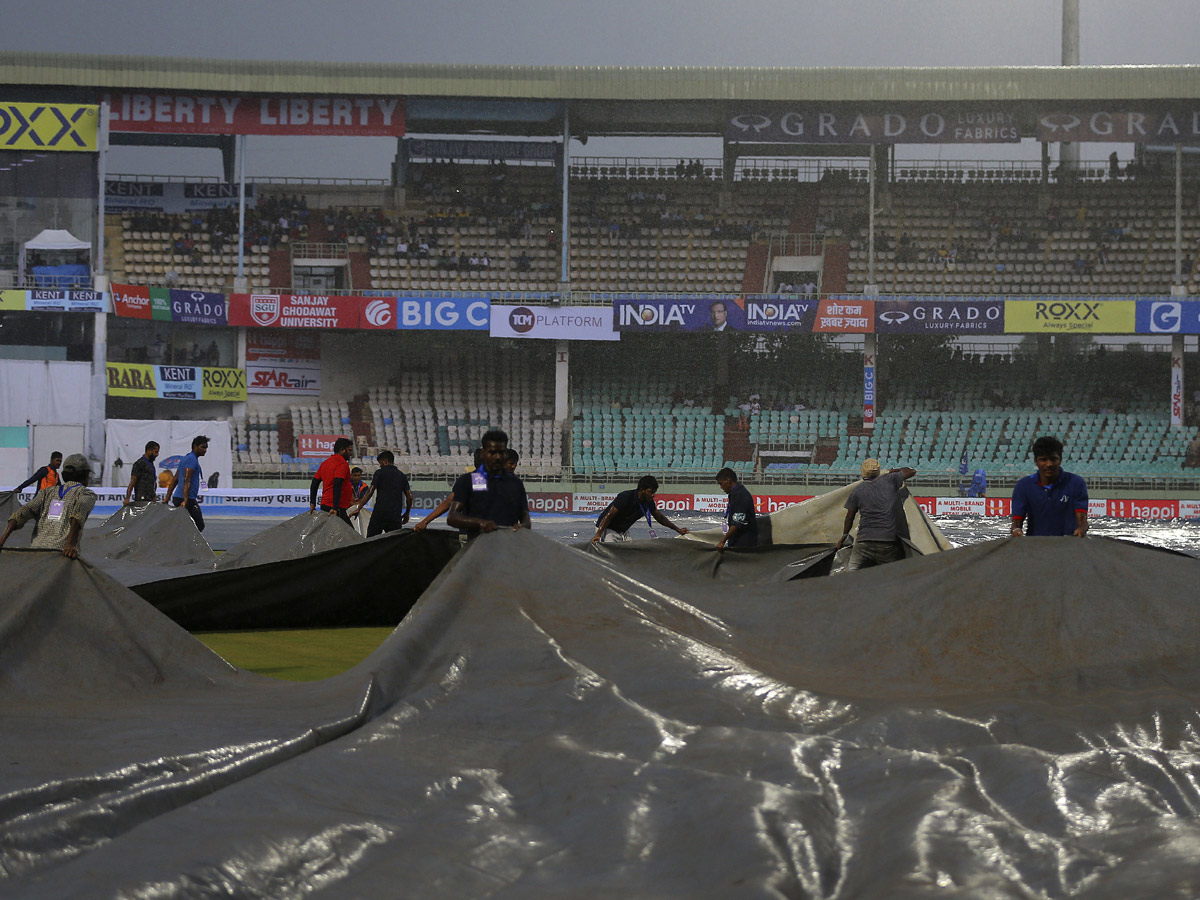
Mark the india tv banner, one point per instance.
(54, 127)
(1053, 315)
(179, 113)
(175, 382)
(840, 123)
(949, 315)
(54, 301)
(682, 313)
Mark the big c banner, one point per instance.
(1050, 315)
(175, 382)
(1168, 316)
(952, 315)
(444, 313)
(171, 113)
(575, 323)
(49, 126)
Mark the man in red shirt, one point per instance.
(333, 477)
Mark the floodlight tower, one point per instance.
(1068, 152)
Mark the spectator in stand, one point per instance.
(60, 509)
(1054, 500)
(489, 498)
(878, 539)
(1191, 458)
(741, 522)
(333, 479)
(143, 477)
(394, 503)
(628, 507)
(185, 485)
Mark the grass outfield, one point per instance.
(295, 655)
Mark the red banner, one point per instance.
(132, 302)
(1143, 509)
(845, 316)
(316, 446)
(167, 113)
(299, 311)
(264, 344)
(549, 501)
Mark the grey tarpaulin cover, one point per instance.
(1013, 719)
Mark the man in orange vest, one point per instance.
(46, 476)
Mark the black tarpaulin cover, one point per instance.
(1014, 719)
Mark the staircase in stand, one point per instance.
(279, 274)
(737, 441)
(836, 270)
(804, 213)
(755, 276)
(360, 271)
(361, 427)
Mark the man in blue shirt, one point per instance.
(184, 488)
(1054, 500)
(489, 498)
(741, 523)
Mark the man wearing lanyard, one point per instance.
(629, 506)
(184, 487)
(61, 510)
(489, 498)
(333, 477)
(1054, 500)
(741, 524)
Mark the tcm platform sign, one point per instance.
(316, 446)
(171, 113)
(1059, 315)
(574, 323)
(55, 127)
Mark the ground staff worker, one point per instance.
(1054, 501)
(630, 506)
(875, 500)
(489, 497)
(333, 479)
(60, 510)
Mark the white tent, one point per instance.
(51, 240)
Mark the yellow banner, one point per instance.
(12, 300)
(131, 380)
(49, 126)
(1067, 316)
(223, 384)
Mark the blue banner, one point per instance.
(697, 313)
(199, 308)
(954, 315)
(444, 313)
(179, 382)
(1168, 316)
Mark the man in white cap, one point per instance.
(878, 540)
(60, 509)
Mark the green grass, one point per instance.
(296, 655)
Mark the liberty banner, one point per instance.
(169, 113)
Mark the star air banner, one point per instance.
(175, 382)
(54, 127)
(574, 323)
(1078, 316)
(170, 113)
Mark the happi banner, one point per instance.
(55, 127)
(575, 323)
(176, 113)
(175, 382)
(1056, 316)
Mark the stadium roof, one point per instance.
(613, 99)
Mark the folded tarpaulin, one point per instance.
(1011, 719)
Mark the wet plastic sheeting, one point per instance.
(362, 583)
(9, 504)
(301, 535)
(680, 562)
(152, 533)
(1009, 720)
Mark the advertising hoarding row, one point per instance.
(175, 382)
(53, 301)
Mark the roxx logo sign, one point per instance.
(1067, 311)
(48, 126)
